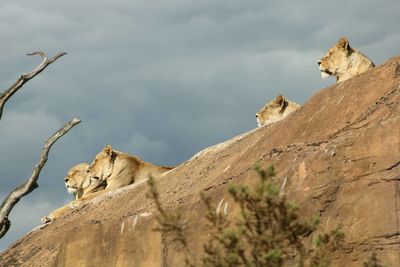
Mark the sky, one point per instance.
(160, 79)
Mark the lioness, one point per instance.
(275, 110)
(343, 62)
(114, 169)
(110, 170)
(76, 181)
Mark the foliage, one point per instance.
(266, 232)
(171, 224)
(325, 245)
(373, 261)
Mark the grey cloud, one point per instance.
(160, 79)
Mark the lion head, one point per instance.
(275, 110)
(101, 168)
(343, 62)
(76, 179)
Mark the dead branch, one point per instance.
(31, 183)
(26, 77)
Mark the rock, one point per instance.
(338, 156)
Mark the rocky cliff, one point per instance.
(338, 156)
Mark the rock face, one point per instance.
(338, 156)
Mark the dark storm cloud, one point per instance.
(160, 79)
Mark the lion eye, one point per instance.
(94, 178)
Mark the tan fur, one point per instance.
(110, 170)
(275, 110)
(116, 169)
(343, 62)
(75, 182)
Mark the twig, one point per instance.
(31, 183)
(26, 77)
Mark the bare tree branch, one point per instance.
(31, 183)
(26, 77)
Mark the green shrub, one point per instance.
(267, 232)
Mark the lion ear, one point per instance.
(108, 150)
(280, 100)
(343, 43)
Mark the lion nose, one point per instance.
(66, 180)
(319, 62)
(256, 115)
